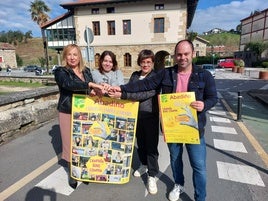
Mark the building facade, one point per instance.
(7, 55)
(124, 27)
(253, 29)
(200, 46)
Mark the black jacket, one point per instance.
(148, 103)
(201, 82)
(69, 83)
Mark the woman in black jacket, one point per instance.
(147, 131)
(72, 77)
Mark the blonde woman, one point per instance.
(72, 77)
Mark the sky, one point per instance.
(223, 14)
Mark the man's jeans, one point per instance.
(197, 158)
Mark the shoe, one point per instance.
(152, 187)
(72, 183)
(140, 171)
(174, 195)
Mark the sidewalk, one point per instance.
(254, 92)
(253, 74)
(260, 94)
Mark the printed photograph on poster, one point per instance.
(103, 136)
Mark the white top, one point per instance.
(114, 78)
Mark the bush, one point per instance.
(236, 62)
(239, 62)
(264, 64)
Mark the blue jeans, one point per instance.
(197, 158)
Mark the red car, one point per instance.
(227, 63)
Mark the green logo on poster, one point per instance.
(79, 102)
(164, 98)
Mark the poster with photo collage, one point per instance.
(103, 136)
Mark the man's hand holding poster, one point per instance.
(103, 136)
(178, 118)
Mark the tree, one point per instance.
(27, 35)
(257, 47)
(191, 35)
(19, 60)
(239, 28)
(38, 10)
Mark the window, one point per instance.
(95, 11)
(111, 27)
(126, 27)
(61, 34)
(96, 28)
(159, 25)
(110, 10)
(127, 60)
(159, 6)
(97, 57)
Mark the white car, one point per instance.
(210, 68)
(54, 68)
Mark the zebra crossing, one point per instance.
(230, 171)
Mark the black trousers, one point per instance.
(147, 134)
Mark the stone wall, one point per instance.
(23, 112)
(8, 55)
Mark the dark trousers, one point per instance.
(147, 134)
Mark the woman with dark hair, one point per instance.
(147, 131)
(108, 71)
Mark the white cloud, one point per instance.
(225, 16)
(16, 15)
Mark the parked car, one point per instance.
(227, 63)
(210, 68)
(54, 68)
(39, 71)
(30, 68)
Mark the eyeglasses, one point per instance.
(146, 63)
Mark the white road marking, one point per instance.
(219, 113)
(239, 173)
(57, 182)
(223, 129)
(220, 119)
(229, 145)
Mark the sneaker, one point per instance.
(140, 171)
(174, 195)
(152, 187)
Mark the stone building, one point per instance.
(253, 29)
(124, 27)
(200, 46)
(7, 55)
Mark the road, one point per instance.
(237, 168)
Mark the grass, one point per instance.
(11, 84)
(20, 84)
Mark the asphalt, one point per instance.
(260, 95)
(254, 108)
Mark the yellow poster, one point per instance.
(103, 136)
(178, 118)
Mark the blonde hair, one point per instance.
(65, 52)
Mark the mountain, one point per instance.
(32, 50)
